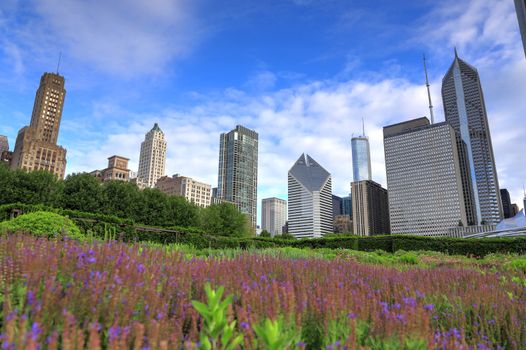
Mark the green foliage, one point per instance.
(42, 223)
(265, 234)
(272, 335)
(216, 332)
(81, 192)
(38, 187)
(226, 220)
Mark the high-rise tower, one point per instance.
(520, 7)
(465, 111)
(310, 199)
(273, 215)
(152, 160)
(238, 170)
(36, 145)
(361, 158)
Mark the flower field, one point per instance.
(106, 295)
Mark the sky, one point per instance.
(302, 73)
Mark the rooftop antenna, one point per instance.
(429, 92)
(363, 127)
(59, 57)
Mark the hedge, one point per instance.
(112, 227)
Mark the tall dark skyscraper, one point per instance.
(238, 170)
(506, 203)
(465, 111)
(520, 7)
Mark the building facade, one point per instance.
(465, 111)
(152, 160)
(361, 158)
(347, 205)
(370, 208)
(426, 193)
(506, 203)
(336, 206)
(310, 199)
(273, 215)
(194, 191)
(4, 144)
(238, 170)
(36, 145)
(117, 170)
(520, 7)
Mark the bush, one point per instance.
(42, 223)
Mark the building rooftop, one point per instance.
(312, 175)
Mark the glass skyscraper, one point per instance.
(361, 158)
(465, 111)
(238, 170)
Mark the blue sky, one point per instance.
(300, 72)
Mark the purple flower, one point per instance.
(30, 298)
(114, 333)
(429, 307)
(92, 260)
(351, 315)
(245, 325)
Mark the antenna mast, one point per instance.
(429, 93)
(59, 57)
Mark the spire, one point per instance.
(363, 127)
(429, 91)
(58, 64)
(456, 53)
(156, 127)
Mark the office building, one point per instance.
(343, 224)
(273, 215)
(370, 208)
(4, 144)
(194, 191)
(361, 158)
(36, 145)
(465, 111)
(152, 160)
(426, 194)
(238, 170)
(310, 199)
(520, 7)
(336, 206)
(347, 205)
(506, 203)
(117, 170)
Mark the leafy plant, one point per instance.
(42, 223)
(216, 331)
(271, 335)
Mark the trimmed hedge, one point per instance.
(112, 227)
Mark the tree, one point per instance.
(82, 192)
(120, 198)
(265, 233)
(225, 220)
(182, 212)
(153, 208)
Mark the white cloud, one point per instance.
(125, 37)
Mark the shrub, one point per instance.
(42, 223)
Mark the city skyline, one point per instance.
(310, 111)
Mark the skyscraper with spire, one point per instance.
(361, 157)
(36, 145)
(520, 7)
(465, 111)
(152, 160)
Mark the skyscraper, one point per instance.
(4, 144)
(465, 111)
(347, 205)
(336, 206)
(310, 199)
(36, 145)
(520, 7)
(361, 158)
(370, 208)
(238, 170)
(273, 215)
(426, 194)
(152, 160)
(506, 203)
